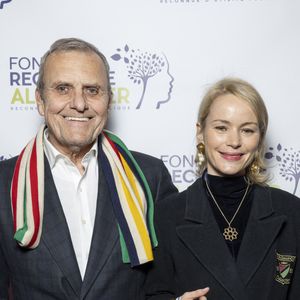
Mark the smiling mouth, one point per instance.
(232, 157)
(78, 119)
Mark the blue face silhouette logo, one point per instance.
(143, 66)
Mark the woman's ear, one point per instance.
(199, 135)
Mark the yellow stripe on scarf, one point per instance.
(137, 219)
(132, 181)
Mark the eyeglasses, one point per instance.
(67, 91)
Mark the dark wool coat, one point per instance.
(192, 253)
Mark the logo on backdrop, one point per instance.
(288, 160)
(150, 72)
(23, 75)
(181, 167)
(3, 2)
(143, 69)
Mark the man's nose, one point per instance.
(79, 101)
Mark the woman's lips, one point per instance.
(232, 156)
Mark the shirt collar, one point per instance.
(53, 155)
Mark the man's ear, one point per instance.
(199, 135)
(39, 102)
(110, 98)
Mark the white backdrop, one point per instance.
(185, 45)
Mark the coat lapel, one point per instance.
(56, 234)
(202, 236)
(105, 235)
(262, 229)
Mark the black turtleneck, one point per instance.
(228, 192)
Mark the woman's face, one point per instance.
(231, 136)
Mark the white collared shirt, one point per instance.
(78, 196)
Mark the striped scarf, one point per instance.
(130, 195)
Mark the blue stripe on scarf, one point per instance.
(137, 175)
(118, 209)
(132, 167)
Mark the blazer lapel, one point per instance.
(56, 234)
(202, 236)
(262, 229)
(105, 235)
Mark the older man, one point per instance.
(76, 206)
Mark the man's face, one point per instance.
(75, 100)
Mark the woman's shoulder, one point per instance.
(281, 199)
(175, 204)
(170, 210)
(172, 201)
(278, 193)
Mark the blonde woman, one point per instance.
(228, 231)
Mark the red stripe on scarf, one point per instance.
(14, 189)
(34, 193)
(114, 147)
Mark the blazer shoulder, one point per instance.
(157, 175)
(9, 162)
(146, 160)
(7, 167)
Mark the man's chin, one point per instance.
(79, 145)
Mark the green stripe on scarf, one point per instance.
(150, 204)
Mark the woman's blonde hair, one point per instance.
(248, 93)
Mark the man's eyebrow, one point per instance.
(55, 83)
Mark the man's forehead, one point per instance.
(82, 60)
(67, 56)
(73, 53)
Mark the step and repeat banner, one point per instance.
(184, 46)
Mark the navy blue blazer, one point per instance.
(51, 271)
(192, 253)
